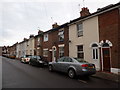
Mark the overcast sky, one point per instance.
(20, 18)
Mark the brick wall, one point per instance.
(38, 51)
(53, 40)
(108, 29)
(119, 37)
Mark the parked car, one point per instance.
(72, 66)
(38, 61)
(12, 56)
(25, 59)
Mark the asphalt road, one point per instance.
(18, 75)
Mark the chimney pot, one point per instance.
(84, 12)
(31, 36)
(40, 32)
(55, 25)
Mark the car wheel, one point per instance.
(22, 61)
(29, 63)
(50, 68)
(71, 73)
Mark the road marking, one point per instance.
(82, 81)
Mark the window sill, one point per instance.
(80, 36)
(61, 41)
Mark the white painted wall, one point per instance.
(90, 35)
(17, 50)
(31, 46)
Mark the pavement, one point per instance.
(107, 76)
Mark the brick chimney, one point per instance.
(55, 25)
(84, 12)
(25, 39)
(31, 36)
(40, 32)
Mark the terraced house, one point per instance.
(21, 48)
(38, 39)
(96, 37)
(26, 47)
(56, 42)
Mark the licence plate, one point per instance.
(91, 67)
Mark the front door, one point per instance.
(53, 53)
(106, 59)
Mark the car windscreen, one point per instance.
(36, 57)
(28, 55)
(80, 60)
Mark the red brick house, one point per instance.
(56, 42)
(38, 43)
(109, 36)
(12, 51)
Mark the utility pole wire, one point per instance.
(46, 11)
(79, 7)
(52, 20)
(38, 28)
(83, 3)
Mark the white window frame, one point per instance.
(80, 52)
(95, 56)
(61, 34)
(38, 41)
(79, 29)
(44, 54)
(95, 51)
(45, 37)
(61, 52)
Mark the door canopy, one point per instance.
(105, 43)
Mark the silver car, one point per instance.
(72, 66)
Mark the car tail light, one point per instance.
(27, 59)
(84, 65)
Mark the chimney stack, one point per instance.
(31, 36)
(84, 12)
(55, 25)
(40, 32)
(25, 39)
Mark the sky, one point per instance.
(20, 18)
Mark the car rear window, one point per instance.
(80, 60)
(37, 57)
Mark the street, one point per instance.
(18, 75)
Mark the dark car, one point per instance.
(12, 56)
(73, 67)
(37, 61)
